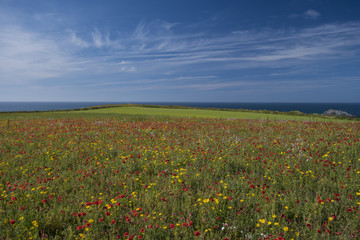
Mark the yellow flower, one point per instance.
(35, 223)
(269, 223)
(91, 220)
(286, 229)
(330, 218)
(274, 216)
(262, 220)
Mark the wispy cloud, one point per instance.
(250, 48)
(100, 40)
(160, 81)
(311, 14)
(77, 41)
(156, 48)
(26, 56)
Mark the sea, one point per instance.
(352, 108)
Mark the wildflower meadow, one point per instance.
(179, 178)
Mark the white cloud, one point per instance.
(123, 62)
(27, 56)
(156, 48)
(127, 69)
(311, 14)
(99, 40)
(77, 41)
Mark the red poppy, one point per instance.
(12, 221)
(172, 226)
(197, 233)
(184, 224)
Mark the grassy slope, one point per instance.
(203, 113)
(132, 111)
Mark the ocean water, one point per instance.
(352, 108)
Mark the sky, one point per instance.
(180, 51)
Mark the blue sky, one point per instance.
(180, 51)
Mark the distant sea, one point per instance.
(352, 108)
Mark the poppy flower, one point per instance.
(197, 233)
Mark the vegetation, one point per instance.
(145, 111)
(103, 174)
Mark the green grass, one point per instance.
(177, 173)
(139, 112)
(99, 177)
(203, 113)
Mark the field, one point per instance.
(198, 113)
(98, 175)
